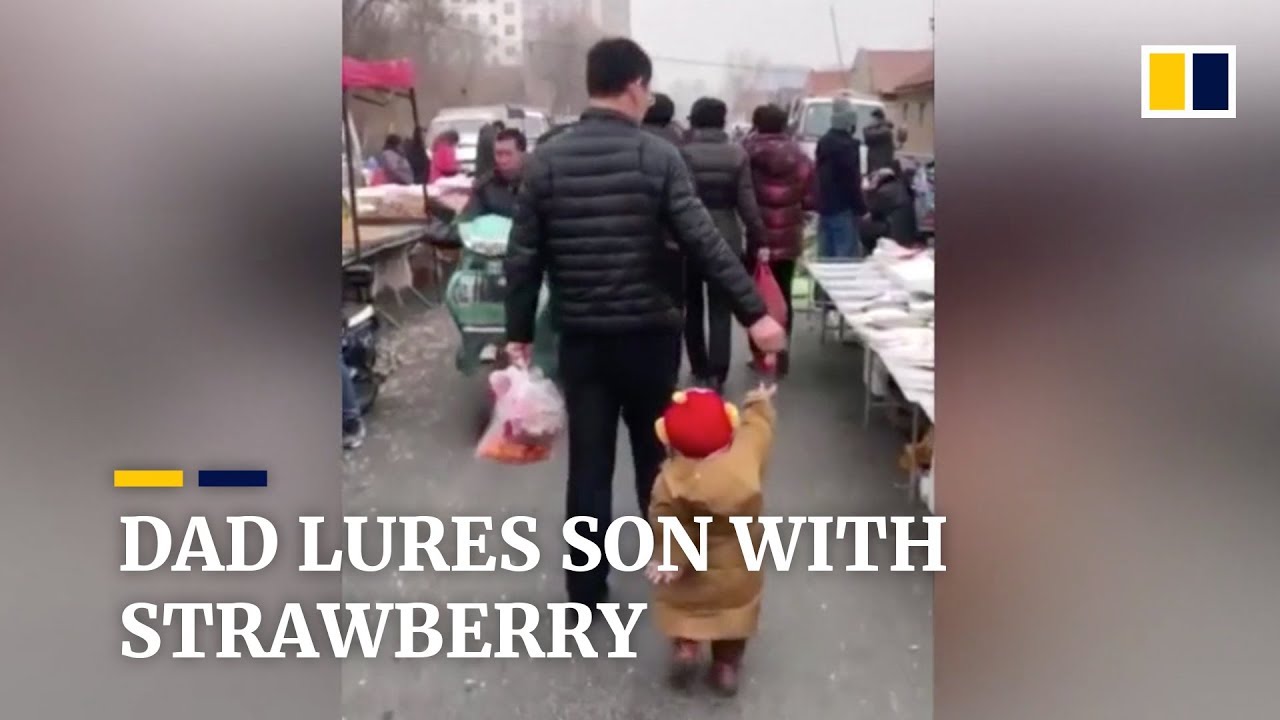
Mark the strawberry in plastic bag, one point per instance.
(775, 304)
(528, 414)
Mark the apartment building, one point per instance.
(612, 17)
(500, 22)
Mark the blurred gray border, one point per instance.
(1107, 358)
(1107, 353)
(169, 285)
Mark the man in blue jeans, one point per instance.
(840, 201)
(352, 424)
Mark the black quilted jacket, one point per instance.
(722, 173)
(591, 215)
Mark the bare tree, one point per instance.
(419, 29)
(685, 91)
(556, 55)
(450, 58)
(744, 85)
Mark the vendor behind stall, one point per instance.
(495, 192)
(393, 166)
(444, 156)
(891, 208)
(416, 154)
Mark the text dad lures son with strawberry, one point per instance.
(402, 627)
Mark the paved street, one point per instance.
(831, 645)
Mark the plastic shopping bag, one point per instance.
(528, 414)
(775, 303)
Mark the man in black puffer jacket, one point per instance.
(592, 209)
(840, 201)
(722, 173)
(880, 139)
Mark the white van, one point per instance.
(467, 121)
(810, 118)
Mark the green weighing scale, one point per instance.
(475, 297)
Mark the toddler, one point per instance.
(715, 468)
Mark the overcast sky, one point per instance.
(787, 32)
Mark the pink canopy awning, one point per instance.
(381, 74)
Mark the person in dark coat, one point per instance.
(840, 201)
(484, 147)
(495, 192)
(722, 175)
(592, 206)
(416, 154)
(660, 120)
(881, 141)
(783, 178)
(393, 163)
(554, 131)
(891, 209)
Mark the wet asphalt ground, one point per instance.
(831, 645)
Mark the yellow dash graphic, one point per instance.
(1168, 81)
(149, 478)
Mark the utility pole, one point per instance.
(835, 33)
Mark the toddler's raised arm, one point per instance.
(755, 434)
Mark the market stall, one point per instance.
(384, 226)
(886, 304)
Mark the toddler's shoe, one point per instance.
(684, 662)
(723, 678)
(726, 658)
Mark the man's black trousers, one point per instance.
(708, 328)
(605, 377)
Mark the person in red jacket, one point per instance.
(444, 156)
(784, 183)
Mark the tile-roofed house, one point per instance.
(919, 80)
(828, 82)
(903, 80)
(880, 71)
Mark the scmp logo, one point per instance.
(1188, 81)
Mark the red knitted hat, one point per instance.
(697, 423)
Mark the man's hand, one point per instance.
(519, 354)
(768, 335)
(661, 577)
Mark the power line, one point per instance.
(767, 65)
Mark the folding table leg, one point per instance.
(389, 318)
(421, 298)
(913, 484)
(868, 403)
(821, 308)
(867, 371)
